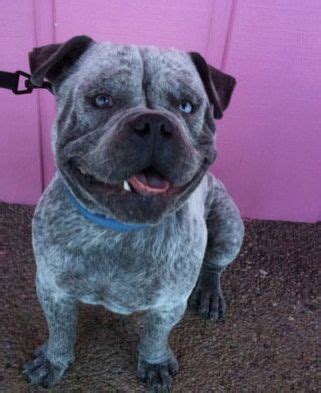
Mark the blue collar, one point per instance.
(101, 220)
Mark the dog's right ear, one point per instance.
(53, 61)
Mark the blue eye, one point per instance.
(103, 101)
(186, 107)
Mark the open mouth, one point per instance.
(146, 182)
(149, 182)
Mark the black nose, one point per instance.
(153, 125)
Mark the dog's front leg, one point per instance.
(225, 236)
(156, 361)
(57, 353)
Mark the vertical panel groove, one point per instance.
(229, 34)
(54, 21)
(45, 34)
(40, 139)
(210, 29)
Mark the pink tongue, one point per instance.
(148, 183)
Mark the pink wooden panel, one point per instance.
(270, 142)
(164, 23)
(20, 167)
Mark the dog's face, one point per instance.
(134, 132)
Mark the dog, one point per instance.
(133, 219)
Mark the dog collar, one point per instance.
(101, 220)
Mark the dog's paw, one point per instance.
(158, 376)
(40, 371)
(208, 303)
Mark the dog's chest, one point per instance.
(134, 271)
(126, 272)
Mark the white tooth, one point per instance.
(126, 186)
(82, 171)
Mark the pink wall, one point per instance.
(270, 140)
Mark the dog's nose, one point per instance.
(149, 125)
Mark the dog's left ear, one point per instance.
(218, 86)
(53, 61)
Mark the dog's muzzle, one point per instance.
(155, 131)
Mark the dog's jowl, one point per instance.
(132, 220)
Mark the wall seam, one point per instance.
(210, 29)
(228, 39)
(54, 21)
(39, 122)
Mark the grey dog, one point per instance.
(132, 220)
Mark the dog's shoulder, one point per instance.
(51, 205)
(214, 191)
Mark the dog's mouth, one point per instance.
(147, 182)
(144, 196)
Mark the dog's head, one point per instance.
(134, 132)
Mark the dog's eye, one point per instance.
(186, 107)
(103, 101)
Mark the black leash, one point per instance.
(10, 80)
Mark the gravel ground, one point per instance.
(270, 341)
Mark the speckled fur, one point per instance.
(188, 242)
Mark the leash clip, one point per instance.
(10, 80)
(28, 84)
